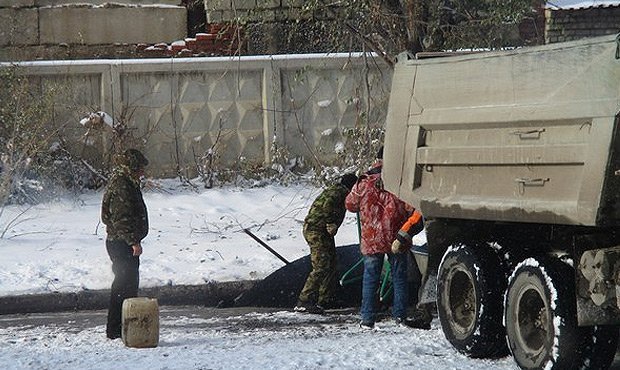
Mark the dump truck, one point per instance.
(513, 157)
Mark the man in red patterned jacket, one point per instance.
(381, 215)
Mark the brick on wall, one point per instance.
(292, 3)
(243, 4)
(267, 15)
(215, 16)
(268, 4)
(253, 10)
(216, 5)
(228, 15)
(297, 13)
(565, 25)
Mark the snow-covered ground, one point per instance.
(195, 236)
(265, 340)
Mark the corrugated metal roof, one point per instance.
(579, 4)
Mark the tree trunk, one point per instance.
(415, 22)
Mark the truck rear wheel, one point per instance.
(470, 288)
(541, 315)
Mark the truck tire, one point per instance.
(471, 284)
(540, 315)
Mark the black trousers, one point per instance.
(125, 285)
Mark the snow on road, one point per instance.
(267, 340)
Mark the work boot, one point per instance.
(422, 317)
(413, 323)
(419, 324)
(367, 325)
(307, 307)
(113, 334)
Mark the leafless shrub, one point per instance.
(27, 134)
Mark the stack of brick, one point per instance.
(221, 39)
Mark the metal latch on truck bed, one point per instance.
(529, 134)
(523, 182)
(532, 182)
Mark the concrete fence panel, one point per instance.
(176, 110)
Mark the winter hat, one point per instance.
(134, 159)
(348, 180)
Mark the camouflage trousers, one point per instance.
(322, 281)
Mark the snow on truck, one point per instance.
(513, 157)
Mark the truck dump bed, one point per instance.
(528, 135)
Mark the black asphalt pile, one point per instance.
(281, 288)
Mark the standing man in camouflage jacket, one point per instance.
(324, 218)
(124, 213)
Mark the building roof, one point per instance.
(579, 4)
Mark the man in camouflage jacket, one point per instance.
(124, 213)
(321, 224)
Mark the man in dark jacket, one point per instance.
(321, 224)
(124, 213)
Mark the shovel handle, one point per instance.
(265, 245)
